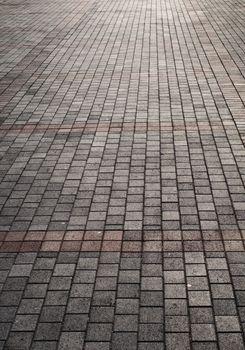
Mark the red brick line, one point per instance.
(96, 241)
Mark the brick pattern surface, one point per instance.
(122, 169)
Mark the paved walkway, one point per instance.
(122, 173)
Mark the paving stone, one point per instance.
(151, 298)
(127, 306)
(203, 332)
(75, 322)
(201, 315)
(71, 340)
(87, 263)
(230, 341)
(48, 331)
(124, 340)
(56, 298)
(175, 307)
(197, 283)
(84, 277)
(224, 307)
(227, 323)
(78, 305)
(44, 263)
(15, 283)
(97, 346)
(25, 258)
(64, 270)
(50, 345)
(7, 314)
(102, 314)
(177, 341)
(99, 331)
(35, 290)
(40, 276)
(175, 291)
(25, 323)
(151, 283)
(204, 345)
(126, 290)
(125, 323)
(60, 283)
(4, 330)
(174, 277)
(199, 298)
(52, 314)
(222, 291)
(21, 340)
(150, 332)
(176, 324)
(10, 298)
(151, 345)
(151, 314)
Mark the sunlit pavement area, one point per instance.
(122, 170)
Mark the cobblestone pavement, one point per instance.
(122, 172)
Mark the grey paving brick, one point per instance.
(71, 340)
(175, 307)
(203, 332)
(21, 340)
(25, 323)
(175, 291)
(151, 345)
(205, 345)
(56, 298)
(52, 314)
(177, 341)
(38, 345)
(150, 332)
(174, 277)
(201, 315)
(7, 314)
(224, 307)
(35, 290)
(230, 341)
(176, 324)
(40, 276)
(48, 331)
(151, 314)
(127, 306)
(64, 270)
(199, 298)
(102, 314)
(60, 283)
(126, 290)
(4, 330)
(227, 323)
(78, 305)
(99, 331)
(15, 283)
(75, 322)
(124, 340)
(125, 323)
(10, 298)
(97, 345)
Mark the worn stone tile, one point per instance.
(178, 341)
(203, 332)
(71, 340)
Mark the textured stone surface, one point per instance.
(122, 174)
